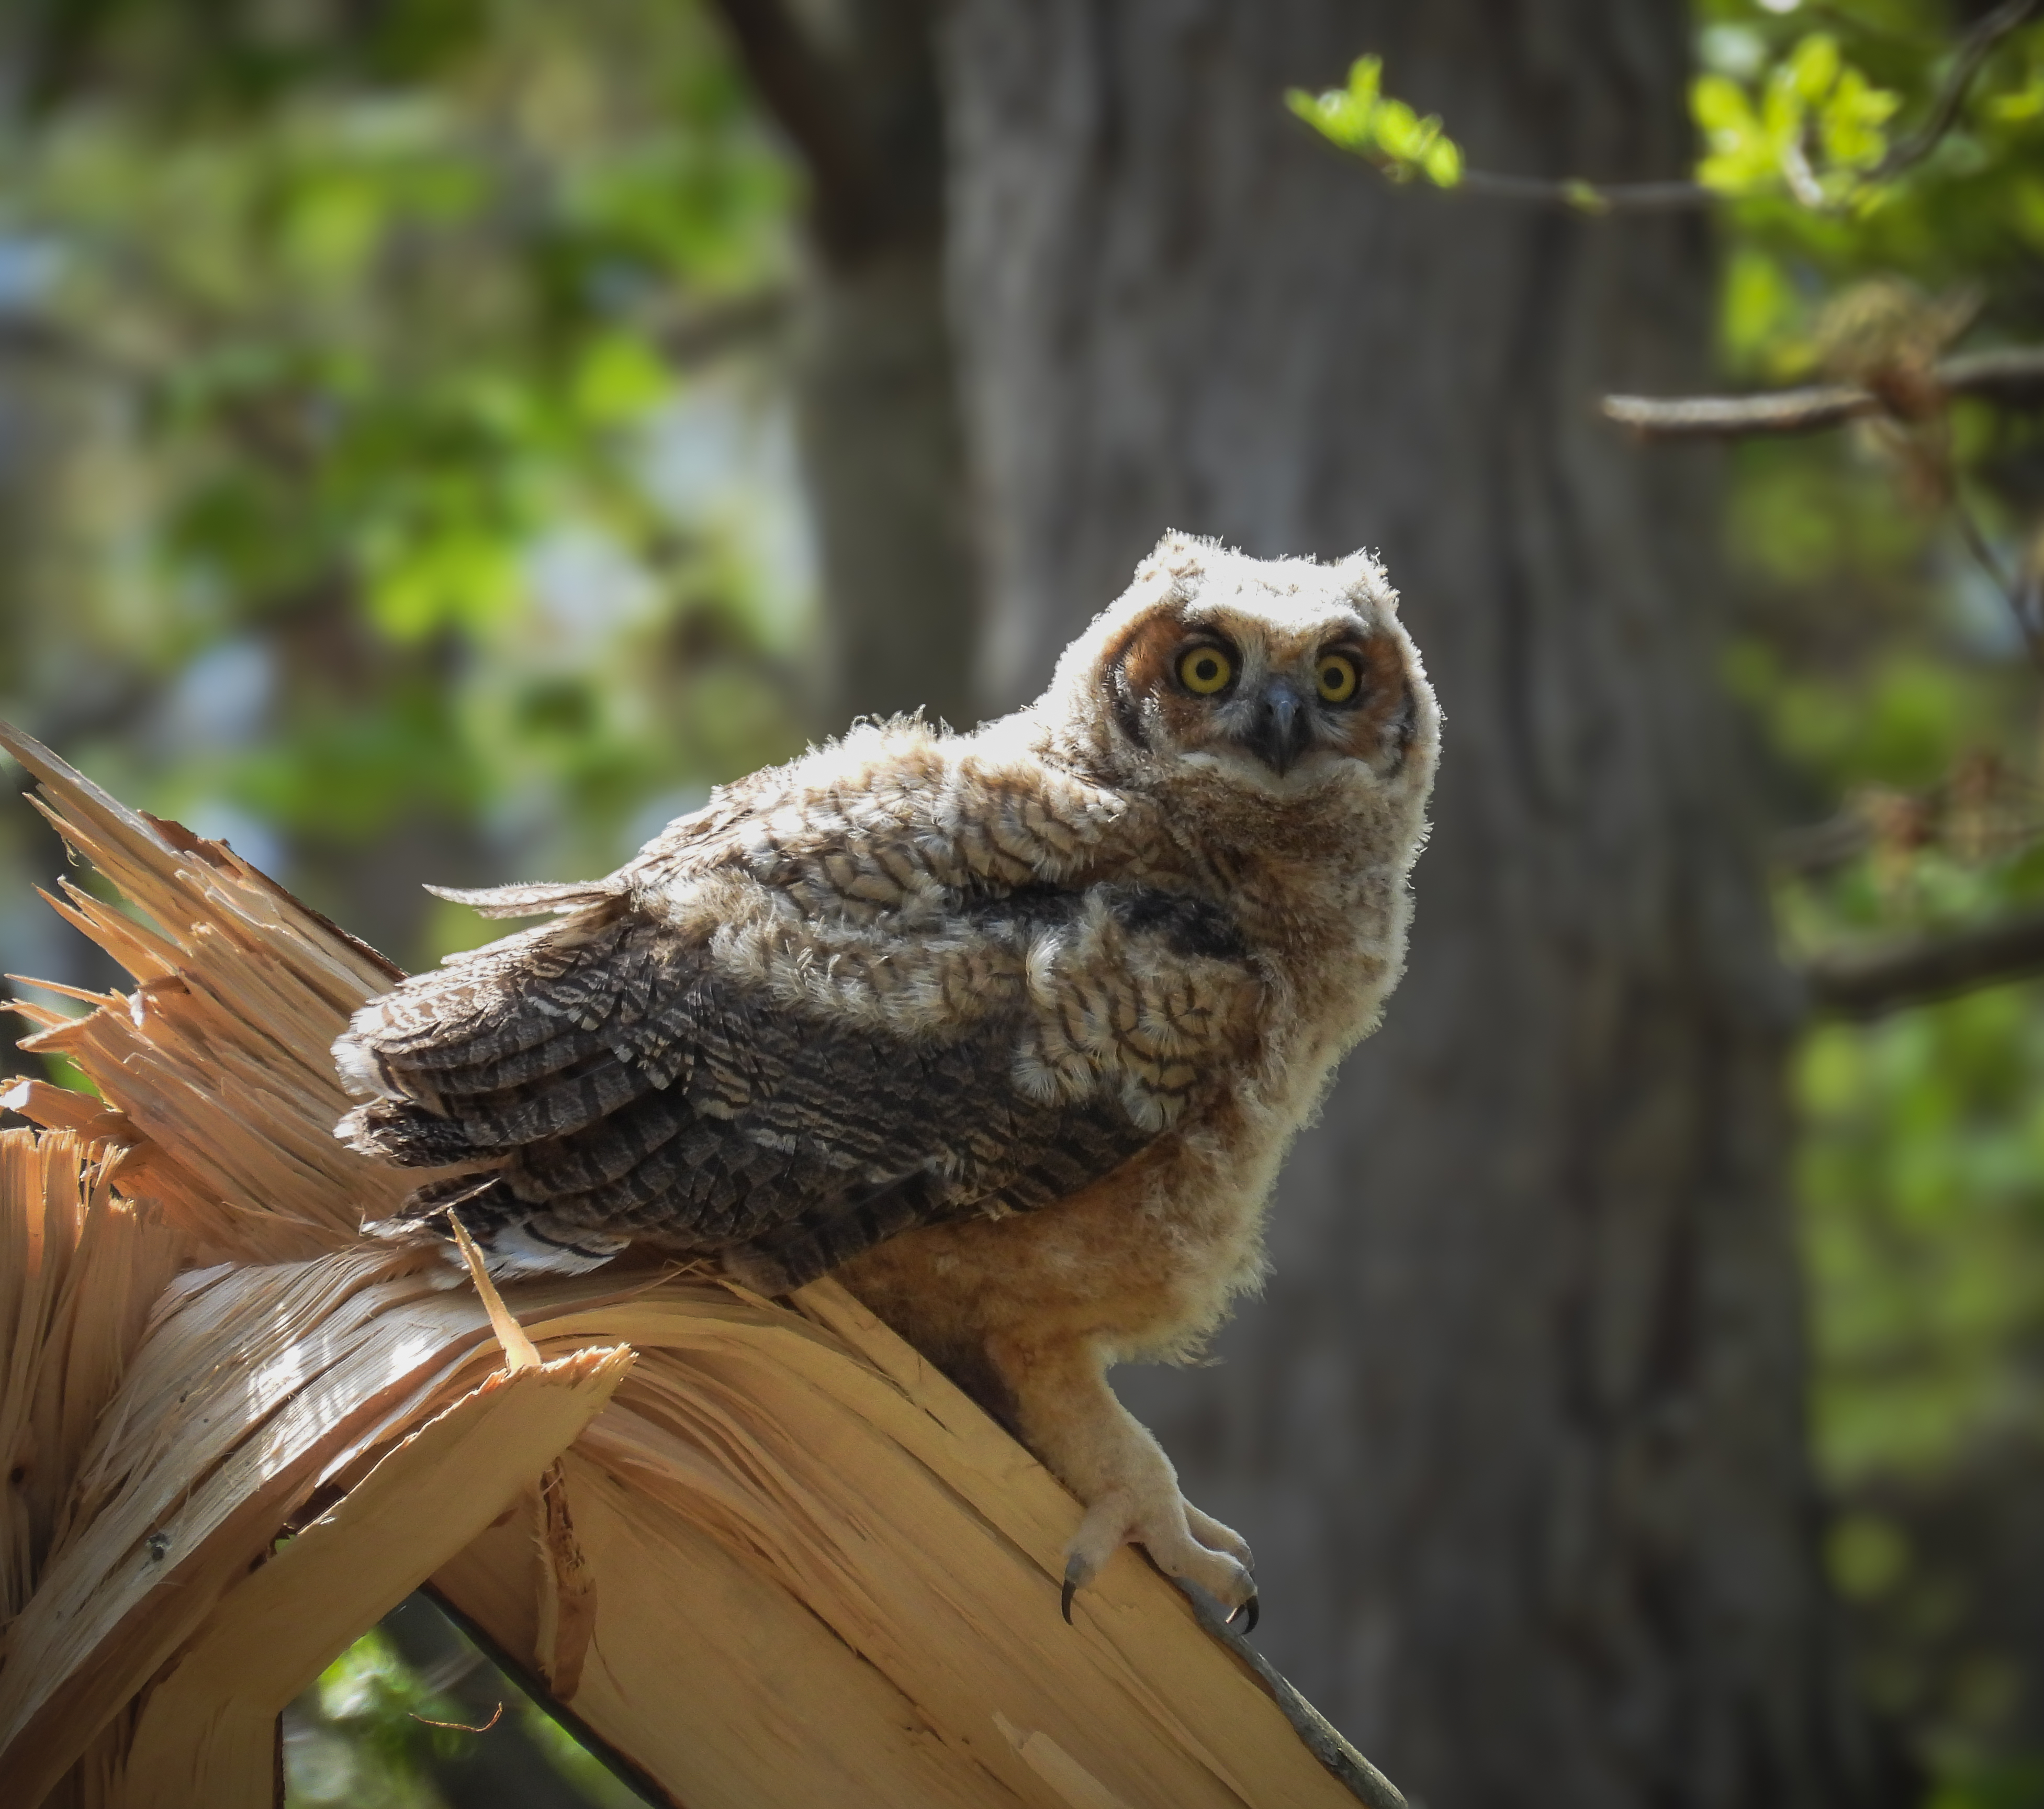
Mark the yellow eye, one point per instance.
(1205, 670)
(1337, 678)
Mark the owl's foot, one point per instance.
(1181, 1540)
(1072, 1421)
(1209, 1531)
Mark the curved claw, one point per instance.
(1078, 1574)
(1249, 1610)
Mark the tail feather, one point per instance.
(529, 900)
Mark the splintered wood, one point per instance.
(769, 1553)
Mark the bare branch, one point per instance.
(2012, 375)
(1724, 418)
(1866, 982)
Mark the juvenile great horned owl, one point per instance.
(1012, 1029)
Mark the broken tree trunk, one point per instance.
(767, 1552)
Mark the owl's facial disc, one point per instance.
(1265, 713)
(1264, 701)
(1290, 703)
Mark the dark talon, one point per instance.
(1077, 1577)
(1250, 1609)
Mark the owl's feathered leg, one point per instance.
(1070, 1418)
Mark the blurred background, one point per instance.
(441, 439)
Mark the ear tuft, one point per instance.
(1180, 554)
(1363, 577)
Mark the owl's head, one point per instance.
(1280, 676)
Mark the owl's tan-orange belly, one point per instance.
(1142, 1262)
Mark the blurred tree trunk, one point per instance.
(1517, 1432)
(854, 84)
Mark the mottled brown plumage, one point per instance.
(1012, 1029)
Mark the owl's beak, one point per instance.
(1281, 729)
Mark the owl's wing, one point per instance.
(604, 1080)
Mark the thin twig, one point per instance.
(519, 1670)
(1974, 48)
(1865, 983)
(2009, 584)
(462, 1726)
(2014, 373)
(1674, 197)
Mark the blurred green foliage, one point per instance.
(374, 493)
(1897, 714)
(1924, 1166)
(1815, 126)
(368, 324)
(1900, 723)
(380, 499)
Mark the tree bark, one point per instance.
(1517, 1432)
(854, 87)
(883, 456)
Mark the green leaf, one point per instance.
(1719, 104)
(1333, 115)
(1396, 128)
(1362, 119)
(1741, 152)
(1366, 80)
(1444, 163)
(1782, 108)
(1850, 120)
(1812, 67)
